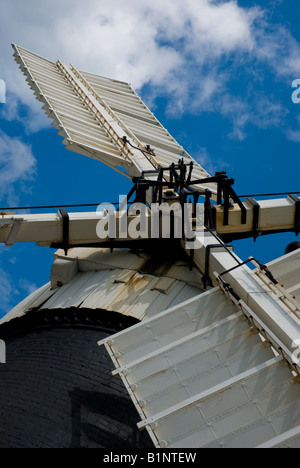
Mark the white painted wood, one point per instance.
(268, 307)
(290, 439)
(176, 368)
(286, 270)
(109, 290)
(274, 215)
(187, 317)
(34, 298)
(59, 98)
(45, 229)
(114, 106)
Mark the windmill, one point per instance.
(207, 348)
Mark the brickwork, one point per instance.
(57, 391)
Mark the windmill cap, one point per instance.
(292, 246)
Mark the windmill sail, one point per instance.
(209, 382)
(94, 114)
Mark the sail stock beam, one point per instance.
(62, 229)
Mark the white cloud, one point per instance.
(29, 115)
(10, 294)
(261, 111)
(124, 39)
(7, 292)
(178, 47)
(17, 166)
(294, 135)
(211, 163)
(27, 286)
(276, 47)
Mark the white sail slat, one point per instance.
(135, 116)
(200, 376)
(63, 105)
(94, 114)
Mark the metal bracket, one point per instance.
(262, 267)
(65, 229)
(256, 209)
(296, 200)
(206, 278)
(14, 232)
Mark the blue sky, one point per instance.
(217, 74)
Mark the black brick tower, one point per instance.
(56, 387)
